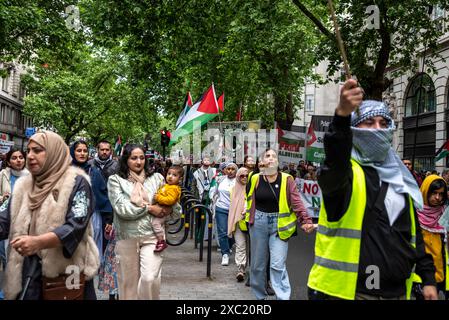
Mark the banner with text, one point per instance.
(5, 145)
(291, 141)
(234, 146)
(320, 125)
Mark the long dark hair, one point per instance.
(123, 169)
(83, 165)
(9, 155)
(256, 168)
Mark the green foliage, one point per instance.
(404, 27)
(255, 51)
(28, 26)
(90, 94)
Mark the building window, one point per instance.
(421, 94)
(437, 12)
(438, 17)
(5, 84)
(21, 92)
(2, 113)
(310, 102)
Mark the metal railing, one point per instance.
(193, 221)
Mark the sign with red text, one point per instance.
(291, 143)
(310, 195)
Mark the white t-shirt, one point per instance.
(224, 193)
(394, 203)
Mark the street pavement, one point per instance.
(299, 262)
(185, 277)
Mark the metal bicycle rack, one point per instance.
(191, 210)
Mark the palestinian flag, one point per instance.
(221, 102)
(202, 111)
(118, 145)
(187, 105)
(311, 137)
(442, 152)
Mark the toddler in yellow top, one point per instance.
(168, 195)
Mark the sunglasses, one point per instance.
(243, 176)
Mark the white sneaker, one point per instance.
(225, 260)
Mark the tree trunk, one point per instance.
(283, 108)
(373, 87)
(279, 108)
(289, 112)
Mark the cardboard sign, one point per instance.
(5, 145)
(310, 195)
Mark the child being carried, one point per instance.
(168, 195)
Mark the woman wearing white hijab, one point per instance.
(236, 218)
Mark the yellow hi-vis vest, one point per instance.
(250, 175)
(337, 244)
(286, 218)
(244, 222)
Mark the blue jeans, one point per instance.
(221, 217)
(264, 242)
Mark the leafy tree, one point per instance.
(90, 94)
(255, 51)
(268, 52)
(403, 27)
(26, 26)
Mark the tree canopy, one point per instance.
(126, 65)
(28, 26)
(254, 51)
(372, 45)
(90, 95)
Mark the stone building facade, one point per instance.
(12, 121)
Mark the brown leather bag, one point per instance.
(56, 289)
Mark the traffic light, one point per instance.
(165, 137)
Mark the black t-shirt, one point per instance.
(266, 201)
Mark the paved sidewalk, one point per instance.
(184, 277)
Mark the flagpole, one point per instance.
(220, 126)
(305, 143)
(339, 40)
(340, 44)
